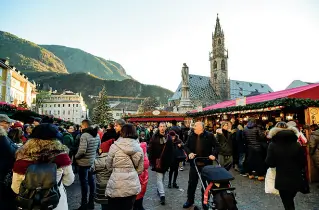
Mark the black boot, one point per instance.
(169, 185)
(83, 207)
(162, 200)
(175, 186)
(91, 203)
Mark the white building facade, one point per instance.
(67, 106)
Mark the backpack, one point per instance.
(40, 189)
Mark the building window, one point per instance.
(69, 112)
(223, 65)
(58, 112)
(58, 105)
(62, 105)
(50, 105)
(117, 114)
(69, 105)
(63, 112)
(215, 65)
(73, 105)
(77, 105)
(54, 105)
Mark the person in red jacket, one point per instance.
(138, 205)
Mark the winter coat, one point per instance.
(314, 147)
(7, 158)
(126, 161)
(178, 151)
(109, 134)
(253, 136)
(240, 141)
(28, 153)
(287, 156)
(68, 141)
(156, 147)
(7, 154)
(208, 142)
(177, 130)
(102, 177)
(144, 175)
(225, 143)
(89, 145)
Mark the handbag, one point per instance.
(158, 162)
(270, 181)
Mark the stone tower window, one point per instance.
(219, 42)
(223, 66)
(215, 65)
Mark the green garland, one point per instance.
(151, 116)
(292, 103)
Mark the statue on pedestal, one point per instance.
(185, 75)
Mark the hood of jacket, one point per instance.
(92, 131)
(128, 146)
(283, 131)
(35, 148)
(3, 132)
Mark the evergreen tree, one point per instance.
(102, 110)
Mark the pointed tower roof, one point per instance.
(218, 28)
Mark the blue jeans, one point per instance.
(86, 179)
(241, 163)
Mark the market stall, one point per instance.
(156, 116)
(298, 104)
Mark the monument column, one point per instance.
(185, 102)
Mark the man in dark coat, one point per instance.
(7, 158)
(200, 143)
(161, 147)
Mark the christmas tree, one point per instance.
(102, 110)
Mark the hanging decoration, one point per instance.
(292, 103)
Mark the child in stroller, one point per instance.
(218, 191)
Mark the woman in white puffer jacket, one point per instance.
(126, 160)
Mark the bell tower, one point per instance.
(219, 64)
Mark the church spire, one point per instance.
(218, 28)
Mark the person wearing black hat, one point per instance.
(43, 146)
(7, 158)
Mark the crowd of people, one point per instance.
(112, 162)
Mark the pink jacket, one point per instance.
(144, 175)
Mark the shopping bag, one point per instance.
(270, 181)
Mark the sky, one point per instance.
(272, 42)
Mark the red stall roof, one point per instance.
(308, 91)
(156, 119)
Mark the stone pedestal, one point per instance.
(185, 103)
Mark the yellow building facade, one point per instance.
(15, 86)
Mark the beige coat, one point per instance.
(124, 180)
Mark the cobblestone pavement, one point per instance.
(249, 194)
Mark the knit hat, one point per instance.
(44, 131)
(172, 133)
(17, 125)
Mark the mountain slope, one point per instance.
(28, 56)
(77, 60)
(90, 85)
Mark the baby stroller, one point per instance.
(218, 191)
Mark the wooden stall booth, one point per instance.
(298, 104)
